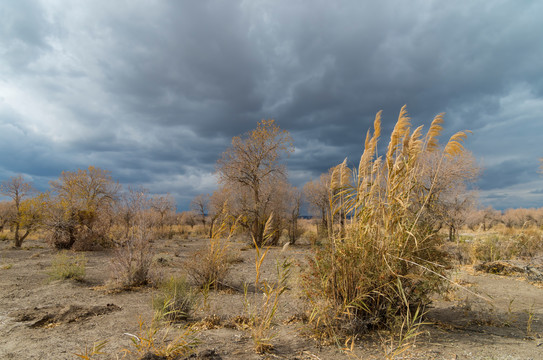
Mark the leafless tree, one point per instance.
(294, 202)
(188, 218)
(18, 190)
(452, 199)
(200, 205)
(163, 205)
(317, 195)
(6, 213)
(251, 166)
(82, 207)
(132, 262)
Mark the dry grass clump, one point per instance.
(523, 243)
(261, 311)
(155, 342)
(209, 267)
(175, 299)
(65, 266)
(383, 238)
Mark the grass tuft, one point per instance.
(65, 266)
(175, 300)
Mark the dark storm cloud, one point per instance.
(154, 91)
(505, 174)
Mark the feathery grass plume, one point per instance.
(434, 132)
(454, 146)
(387, 241)
(96, 349)
(341, 180)
(415, 143)
(400, 129)
(370, 148)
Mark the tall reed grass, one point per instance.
(380, 234)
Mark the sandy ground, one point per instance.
(43, 319)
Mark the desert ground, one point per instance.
(489, 316)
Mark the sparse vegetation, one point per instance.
(208, 268)
(372, 258)
(131, 265)
(161, 342)
(175, 300)
(261, 312)
(66, 266)
(254, 177)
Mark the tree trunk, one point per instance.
(452, 233)
(17, 240)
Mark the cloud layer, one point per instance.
(154, 91)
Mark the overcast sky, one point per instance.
(154, 90)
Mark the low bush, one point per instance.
(507, 246)
(209, 267)
(492, 248)
(175, 299)
(65, 266)
(131, 264)
(133, 260)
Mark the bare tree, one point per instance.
(451, 199)
(163, 205)
(188, 218)
(317, 195)
(485, 218)
(294, 202)
(6, 213)
(200, 205)
(19, 191)
(82, 207)
(251, 166)
(132, 262)
(127, 208)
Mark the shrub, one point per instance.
(529, 242)
(131, 265)
(210, 266)
(382, 236)
(65, 266)
(132, 262)
(79, 209)
(522, 243)
(175, 299)
(492, 248)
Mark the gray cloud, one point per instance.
(155, 91)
